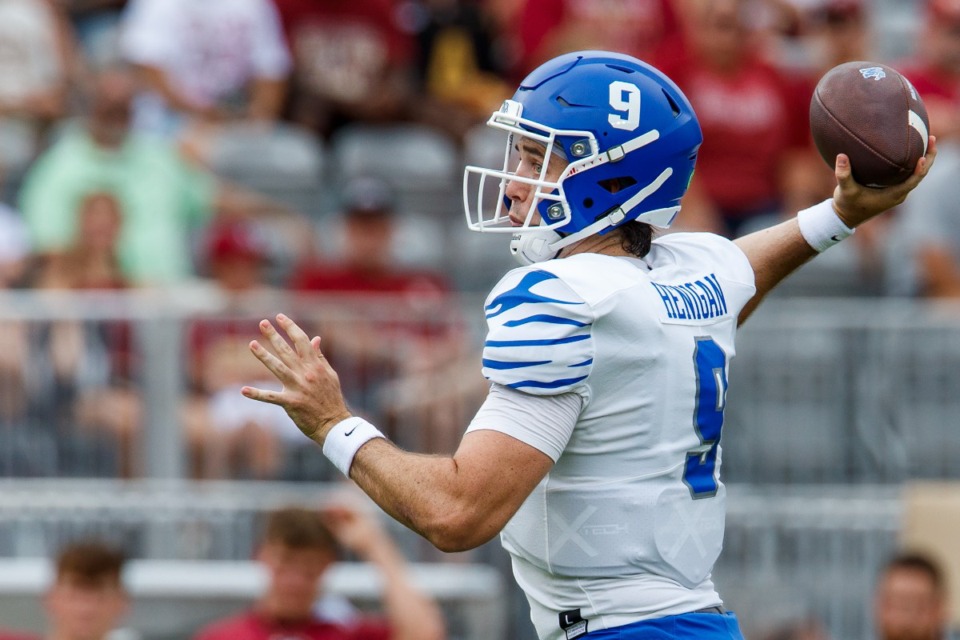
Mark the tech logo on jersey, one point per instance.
(573, 624)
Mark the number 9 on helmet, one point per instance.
(624, 134)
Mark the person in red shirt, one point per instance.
(299, 546)
(397, 329)
(352, 62)
(753, 116)
(87, 599)
(646, 29)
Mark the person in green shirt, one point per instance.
(163, 198)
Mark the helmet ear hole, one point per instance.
(587, 203)
(613, 185)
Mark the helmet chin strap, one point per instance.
(535, 246)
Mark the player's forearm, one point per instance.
(774, 253)
(426, 494)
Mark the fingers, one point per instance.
(923, 167)
(283, 349)
(263, 395)
(841, 168)
(270, 361)
(844, 174)
(924, 164)
(301, 341)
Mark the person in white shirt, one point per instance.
(596, 455)
(212, 61)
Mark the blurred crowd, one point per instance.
(87, 597)
(151, 144)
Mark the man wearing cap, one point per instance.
(406, 336)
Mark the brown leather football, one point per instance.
(873, 114)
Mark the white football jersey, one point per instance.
(629, 521)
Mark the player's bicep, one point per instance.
(500, 471)
(511, 445)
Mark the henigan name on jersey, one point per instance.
(698, 300)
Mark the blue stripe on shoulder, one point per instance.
(499, 364)
(535, 343)
(585, 363)
(521, 294)
(556, 384)
(549, 319)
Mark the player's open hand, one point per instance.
(855, 204)
(311, 393)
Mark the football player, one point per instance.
(596, 455)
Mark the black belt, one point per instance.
(718, 609)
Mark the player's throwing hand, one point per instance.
(311, 393)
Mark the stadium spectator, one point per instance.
(90, 261)
(163, 198)
(645, 29)
(352, 63)
(14, 247)
(206, 63)
(838, 33)
(87, 600)
(935, 70)
(754, 121)
(910, 602)
(922, 252)
(399, 330)
(298, 547)
(14, 258)
(35, 52)
(835, 31)
(459, 66)
(97, 25)
(83, 371)
(226, 438)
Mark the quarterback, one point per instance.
(596, 455)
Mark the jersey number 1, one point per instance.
(710, 363)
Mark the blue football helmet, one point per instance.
(628, 139)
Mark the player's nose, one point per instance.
(517, 193)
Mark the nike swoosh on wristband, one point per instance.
(351, 430)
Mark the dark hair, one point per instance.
(298, 528)
(635, 238)
(916, 561)
(91, 563)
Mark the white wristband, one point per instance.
(345, 439)
(821, 227)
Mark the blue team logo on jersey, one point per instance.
(876, 73)
(522, 294)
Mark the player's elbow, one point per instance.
(460, 530)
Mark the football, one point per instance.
(873, 114)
